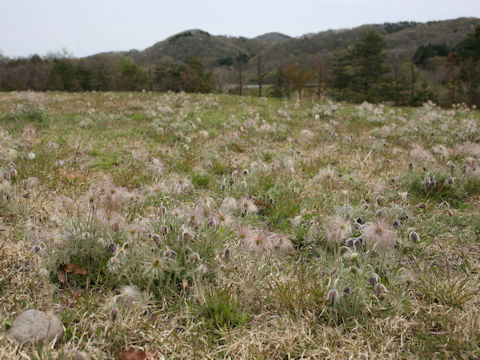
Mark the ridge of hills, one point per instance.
(402, 39)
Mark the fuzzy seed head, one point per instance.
(337, 230)
(374, 279)
(114, 314)
(380, 289)
(185, 234)
(43, 273)
(129, 295)
(248, 206)
(379, 236)
(353, 257)
(112, 247)
(80, 355)
(194, 257)
(413, 236)
(350, 242)
(333, 296)
(36, 249)
(258, 242)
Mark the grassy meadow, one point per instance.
(213, 226)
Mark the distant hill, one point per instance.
(403, 38)
(271, 37)
(196, 43)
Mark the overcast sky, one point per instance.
(86, 27)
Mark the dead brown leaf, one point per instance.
(62, 277)
(74, 269)
(133, 354)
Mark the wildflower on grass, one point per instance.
(129, 295)
(350, 242)
(169, 253)
(43, 273)
(154, 267)
(327, 174)
(420, 154)
(358, 242)
(114, 314)
(282, 243)
(451, 166)
(196, 216)
(202, 269)
(164, 229)
(37, 248)
(427, 181)
(248, 206)
(181, 184)
(353, 256)
(333, 296)
(337, 230)
(207, 204)
(194, 257)
(112, 247)
(178, 213)
(403, 195)
(260, 242)
(114, 264)
(380, 289)
(80, 355)
(136, 229)
(223, 218)
(413, 236)
(245, 234)
(229, 204)
(374, 279)
(157, 165)
(163, 209)
(379, 236)
(185, 234)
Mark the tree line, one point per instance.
(102, 74)
(366, 72)
(363, 72)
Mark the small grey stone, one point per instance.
(34, 326)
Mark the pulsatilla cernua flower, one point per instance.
(379, 236)
(337, 230)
